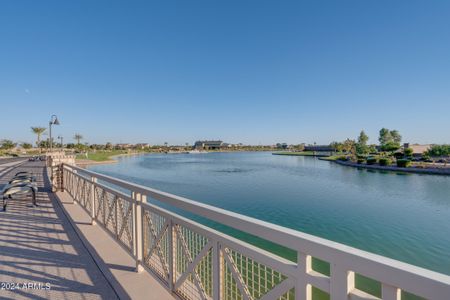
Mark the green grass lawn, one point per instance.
(332, 157)
(101, 155)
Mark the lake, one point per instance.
(402, 216)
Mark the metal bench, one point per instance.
(23, 183)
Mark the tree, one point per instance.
(38, 131)
(337, 146)
(361, 146)
(363, 138)
(396, 137)
(372, 148)
(78, 137)
(389, 136)
(385, 136)
(7, 144)
(26, 145)
(108, 146)
(44, 144)
(349, 146)
(300, 147)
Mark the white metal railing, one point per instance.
(197, 262)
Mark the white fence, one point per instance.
(197, 262)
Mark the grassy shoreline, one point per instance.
(103, 157)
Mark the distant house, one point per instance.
(142, 146)
(208, 145)
(417, 149)
(123, 146)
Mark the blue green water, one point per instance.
(402, 216)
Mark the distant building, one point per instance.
(319, 148)
(208, 145)
(417, 149)
(142, 146)
(123, 146)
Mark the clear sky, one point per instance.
(241, 71)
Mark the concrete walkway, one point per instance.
(50, 252)
(6, 164)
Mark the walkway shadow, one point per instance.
(39, 245)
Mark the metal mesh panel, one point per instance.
(100, 205)
(229, 286)
(110, 212)
(156, 244)
(125, 223)
(86, 194)
(255, 279)
(290, 295)
(67, 182)
(188, 247)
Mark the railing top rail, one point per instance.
(372, 265)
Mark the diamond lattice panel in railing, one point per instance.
(100, 202)
(110, 212)
(253, 279)
(125, 223)
(156, 243)
(193, 264)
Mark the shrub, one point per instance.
(398, 155)
(439, 150)
(403, 163)
(408, 151)
(371, 160)
(390, 147)
(343, 158)
(361, 161)
(385, 161)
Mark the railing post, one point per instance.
(389, 292)
(93, 181)
(116, 214)
(303, 290)
(217, 279)
(171, 260)
(342, 282)
(61, 177)
(74, 186)
(139, 232)
(133, 196)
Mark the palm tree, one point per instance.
(38, 131)
(78, 137)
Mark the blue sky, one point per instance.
(241, 71)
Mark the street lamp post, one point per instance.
(53, 121)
